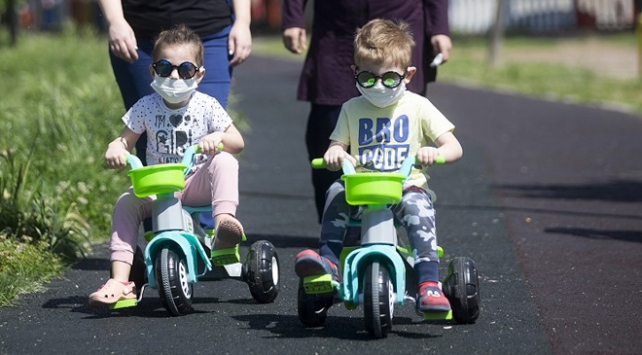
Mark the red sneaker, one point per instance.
(309, 263)
(432, 299)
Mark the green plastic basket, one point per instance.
(373, 188)
(157, 179)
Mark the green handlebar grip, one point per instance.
(197, 148)
(318, 163)
(440, 160)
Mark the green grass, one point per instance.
(59, 109)
(545, 79)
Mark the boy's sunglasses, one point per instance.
(164, 68)
(389, 79)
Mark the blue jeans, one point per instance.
(134, 78)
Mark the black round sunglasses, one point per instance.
(389, 79)
(164, 68)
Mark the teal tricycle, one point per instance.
(375, 271)
(179, 252)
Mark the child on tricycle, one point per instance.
(381, 128)
(175, 117)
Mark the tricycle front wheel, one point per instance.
(172, 280)
(378, 295)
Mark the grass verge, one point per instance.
(539, 67)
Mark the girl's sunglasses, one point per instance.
(389, 79)
(164, 68)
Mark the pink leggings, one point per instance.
(216, 182)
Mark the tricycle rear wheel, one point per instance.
(312, 309)
(261, 271)
(461, 287)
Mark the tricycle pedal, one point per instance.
(228, 256)
(317, 284)
(438, 315)
(123, 304)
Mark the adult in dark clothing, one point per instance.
(326, 79)
(224, 29)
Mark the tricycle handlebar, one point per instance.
(406, 166)
(188, 157)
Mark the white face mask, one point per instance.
(382, 96)
(174, 90)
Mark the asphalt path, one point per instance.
(546, 201)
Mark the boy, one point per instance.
(382, 127)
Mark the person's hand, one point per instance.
(334, 157)
(442, 44)
(239, 43)
(427, 155)
(295, 40)
(209, 143)
(116, 155)
(122, 41)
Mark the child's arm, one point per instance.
(232, 141)
(335, 154)
(448, 147)
(118, 149)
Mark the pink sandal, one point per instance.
(112, 292)
(228, 233)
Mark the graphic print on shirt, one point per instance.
(169, 139)
(383, 142)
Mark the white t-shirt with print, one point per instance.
(170, 132)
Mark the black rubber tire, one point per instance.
(261, 271)
(138, 273)
(173, 285)
(461, 287)
(377, 299)
(312, 309)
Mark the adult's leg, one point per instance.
(216, 82)
(133, 80)
(321, 122)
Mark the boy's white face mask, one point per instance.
(174, 90)
(381, 96)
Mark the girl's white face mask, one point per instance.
(174, 90)
(381, 96)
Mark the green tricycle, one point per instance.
(375, 272)
(179, 252)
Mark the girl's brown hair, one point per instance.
(179, 35)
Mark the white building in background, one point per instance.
(542, 16)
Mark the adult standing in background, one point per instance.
(327, 81)
(224, 28)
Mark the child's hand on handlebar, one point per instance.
(116, 156)
(427, 156)
(334, 157)
(209, 144)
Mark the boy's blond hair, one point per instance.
(179, 35)
(384, 42)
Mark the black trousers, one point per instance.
(321, 122)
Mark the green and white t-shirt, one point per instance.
(381, 138)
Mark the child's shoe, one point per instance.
(112, 292)
(432, 299)
(228, 234)
(309, 263)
